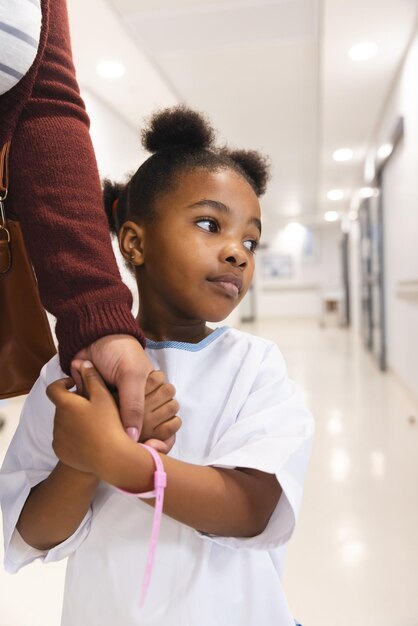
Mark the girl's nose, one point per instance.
(234, 255)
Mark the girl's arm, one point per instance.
(227, 502)
(55, 508)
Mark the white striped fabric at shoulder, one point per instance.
(20, 27)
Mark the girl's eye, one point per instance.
(251, 245)
(209, 224)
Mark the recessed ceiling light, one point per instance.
(385, 150)
(368, 192)
(335, 194)
(363, 51)
(331, 216)
(353, 552)
(110, 69)
(295, 227)
(343, 154)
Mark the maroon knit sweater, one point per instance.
(55, 192)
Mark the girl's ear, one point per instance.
(131, 243)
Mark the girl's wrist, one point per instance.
(131, 467)
(86, 478)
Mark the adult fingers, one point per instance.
(155, 379)
(160, 396)
(168, 428)
(165, 412)
(131, 389)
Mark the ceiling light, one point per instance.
(368, 192)
(295, 228)
(335, 194)
(340, 465)
(334, 426)
(353, 216)
(385, 150)
(292, 238)
(363, 51)
(378, 462)
(331, 216)
(343, 154)
(110, 69)
(353, 552)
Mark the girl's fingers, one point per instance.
(75, 374)
(93, 383)
(162, 446)
(159, 446)
(59, 389)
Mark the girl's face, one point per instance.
(197, 258)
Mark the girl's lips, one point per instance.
(229, 283)
(229, 288)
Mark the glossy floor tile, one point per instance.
(354, 557)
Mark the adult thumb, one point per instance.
(131, 388)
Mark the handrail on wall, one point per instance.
(407, 289)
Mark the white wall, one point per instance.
(400, 198)
(116, 143)
(313, 274)
(118, 151)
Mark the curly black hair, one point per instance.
(180, 140)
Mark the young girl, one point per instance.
(188, 222)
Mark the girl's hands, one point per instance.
(88, 433)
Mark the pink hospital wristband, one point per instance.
(160, 482)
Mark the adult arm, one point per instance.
(55, 191)
(56, 194)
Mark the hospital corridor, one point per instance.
(353, 556)
(327, 91)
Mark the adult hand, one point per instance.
(161, 421)
(123, 364)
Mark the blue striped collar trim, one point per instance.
(190, 347)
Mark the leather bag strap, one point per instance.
(4, 170)
(5, 249)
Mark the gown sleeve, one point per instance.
(28, 461)
(273, 433)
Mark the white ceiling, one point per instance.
(271, 74)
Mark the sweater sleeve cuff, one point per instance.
(91, 322)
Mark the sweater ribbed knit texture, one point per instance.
(55, 193)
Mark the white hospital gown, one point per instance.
(238, 409)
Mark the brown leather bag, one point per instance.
(26, 342)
